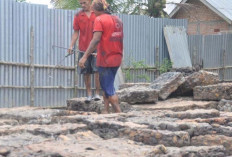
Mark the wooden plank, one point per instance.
(76, 81)
(38, 87)
(32, 69)
(37, 65)
(218, 68)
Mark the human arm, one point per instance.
(92, 46)
(75, 36)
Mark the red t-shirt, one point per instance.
(84, 25)
(109, 52)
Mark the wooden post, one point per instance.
(198, 27)
(32, 71)
(202, 52)
(194, 56)
(157, 62)
(75, 71)
(223, 65)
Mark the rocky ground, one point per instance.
(153, 123)
(174, 127)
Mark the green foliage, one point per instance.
(165, 66)
(136, 65)
(127, 73)
(153, 8)
(146, 77)
(66, 4)
(115, 6)
(74, 4)
(139, 64)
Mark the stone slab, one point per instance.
(167, 83)
(138, 94)
(178, 104)
(127, 85)
(213, 92)
(225, 105)
(213, 140)
(201, 78)
(79, 104)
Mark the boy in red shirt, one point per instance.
(108, 35)
(83, 27)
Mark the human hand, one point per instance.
(70, 51)
(94, 54)
(82, 62)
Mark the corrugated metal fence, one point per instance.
(213, 52)
(144, 45)
(52, 84)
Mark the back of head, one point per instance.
(101, 6)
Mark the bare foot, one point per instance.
(104, 112)
(117, 108)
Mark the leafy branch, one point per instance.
(165, 66)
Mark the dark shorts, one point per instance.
(107, 77)
(90, 64)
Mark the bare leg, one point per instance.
(97, 82)
(106, 104)
(114, 102)
(87, 84)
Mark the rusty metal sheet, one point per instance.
(177, 43)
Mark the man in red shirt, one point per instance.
(108, 33)
(83, 27)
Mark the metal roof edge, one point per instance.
(216, 11)
(176, 9)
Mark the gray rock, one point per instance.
(192, 128)
(169, 128)
(185, 71)
(191, 114)
(127, 85)
(20, 139)
(138, 94)
(154, 137)
(167, 83)
(30, 115)
(213, 92)
(194, 151)
(86, 144)
(79, 104)
(201, 78)
(225, 105)
(4, 151)
(178, 104)
(230, 124)
(224, 130)
(213, 140)
(8, 122)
